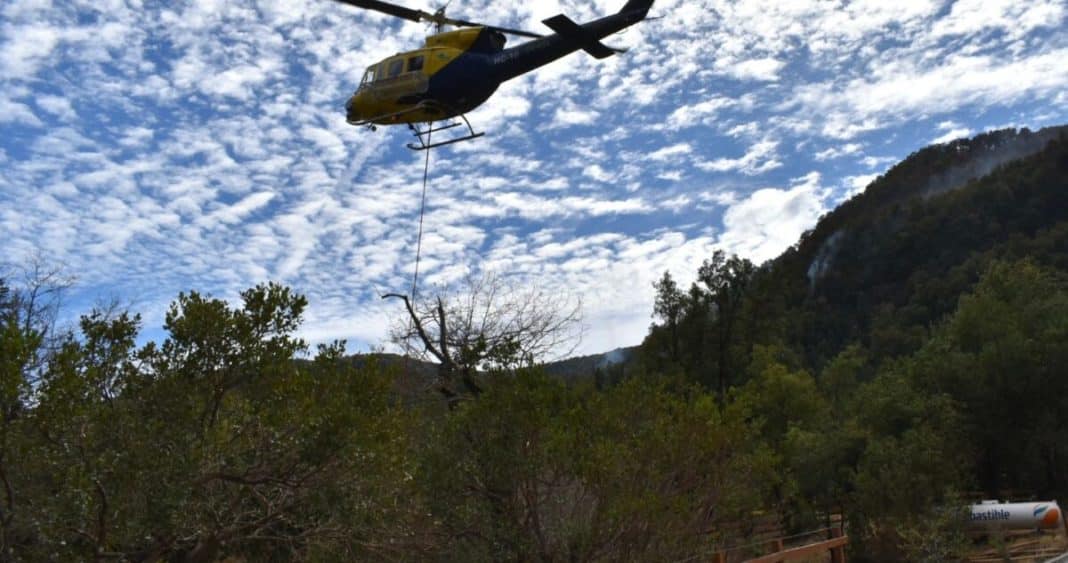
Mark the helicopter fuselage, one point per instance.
(457, 71)
(449, 76)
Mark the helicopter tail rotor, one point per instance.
(567, 28)
(642, 6)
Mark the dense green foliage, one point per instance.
(918, 360)
(213, 442)
(890, 263)
(909, 347)
(221, 443)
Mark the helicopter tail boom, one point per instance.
(568, 38)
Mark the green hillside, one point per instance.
(894, 260)
(946, 276)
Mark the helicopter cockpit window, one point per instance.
(369, 76)
(415, 63)
(396, 67)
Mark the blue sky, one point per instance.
(158, 147)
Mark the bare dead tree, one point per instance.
(28, 312)
(34, 302)
(487, 323)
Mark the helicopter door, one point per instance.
(401, 77)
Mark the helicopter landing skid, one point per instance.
(424, 135)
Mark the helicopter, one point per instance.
(456, 71)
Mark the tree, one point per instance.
(32, 306)
(28, 312)
(668, 306)
(1000, 355)
(782, 405)
(778, 398)
(488, 324)
(536, 470)
(726, 280)
(914, 463)
(841, 376)
(220, 442)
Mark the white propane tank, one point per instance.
(1016, 515)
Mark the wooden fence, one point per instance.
(813, 547)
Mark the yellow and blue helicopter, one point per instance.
(456, 71)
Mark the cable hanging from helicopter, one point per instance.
(457, 71)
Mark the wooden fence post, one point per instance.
(837, 553)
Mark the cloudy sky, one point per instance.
(156, 147)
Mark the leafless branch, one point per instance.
(420, 331)
(489, 322)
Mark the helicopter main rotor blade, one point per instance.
(390, 9)
(518, 32)
(438, 18)
(508, 30)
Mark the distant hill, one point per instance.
(588, 366)
(422, 373)
(415, 377)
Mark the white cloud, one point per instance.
(14, 112)
(677, 203)
(876, 162)
(832, 153)
(600, 207)
(856, 184)
(570, 115)
(232, 214)
(952, 135)
(672, 152)
(25, 51)
(60, 107)
(596, 172)
(239, 82)
(766, 69)
(769, 220)
(1017, 18)
(760, 158)
(699, 113)
(900, 92)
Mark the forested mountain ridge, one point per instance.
(943, 286)
(900, 253)
(936, 169)
(896, 258)
(891, 262)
